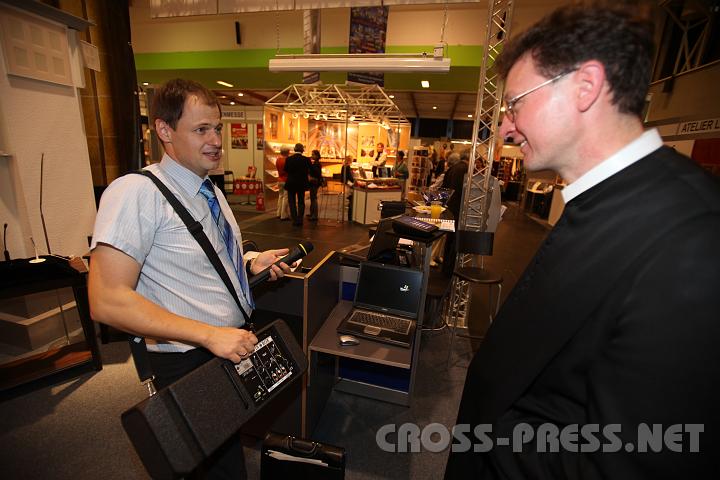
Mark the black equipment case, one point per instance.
(174, 430)
(284, 456)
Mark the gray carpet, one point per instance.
(72, 430)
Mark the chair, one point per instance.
(437, 288)
(476, 243)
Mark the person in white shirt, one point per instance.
(380, 159)
(149, 277)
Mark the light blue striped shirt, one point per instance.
(135, 217)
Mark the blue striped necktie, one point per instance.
(231, 244)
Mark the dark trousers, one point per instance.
(296, 199)
(313, 203)
(228, 462)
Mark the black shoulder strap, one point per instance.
(137, 344)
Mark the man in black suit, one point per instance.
(611, 336)
(297, 167)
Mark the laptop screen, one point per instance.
(389, 289)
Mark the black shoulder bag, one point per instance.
(178, 427)
(137, 344)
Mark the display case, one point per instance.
(45, 324)
(419, 168)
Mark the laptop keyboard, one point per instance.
(395, 324)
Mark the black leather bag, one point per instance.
(284, 456)
(391, 208)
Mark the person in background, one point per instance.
(401, 171)
(297, 167)
(380, 159)
(457, 168)
(612, 330)
(149, 277)
(347, 177)
(316, 181)
(440, 166)
(430, 168)
(283, 208)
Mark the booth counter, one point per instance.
(366, 198)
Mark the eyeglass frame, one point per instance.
(510, 104)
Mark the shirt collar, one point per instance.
(185, 179)
(639, 148)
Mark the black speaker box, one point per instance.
(177, 428)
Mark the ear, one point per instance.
(163, 131)
(591, 81)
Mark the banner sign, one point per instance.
(260, 138)
(368, 29)
(239, 136)
(699, 126)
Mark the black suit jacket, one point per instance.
(297, 167)
(616, 320)
(455, 179)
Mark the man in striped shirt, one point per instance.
(149, 276)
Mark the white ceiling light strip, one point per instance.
(183, 8)
(360, 62)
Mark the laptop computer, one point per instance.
(386, 305)
(382, 244)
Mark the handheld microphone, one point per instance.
(6, 253)
(295, 254)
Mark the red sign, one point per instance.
(260, 137)
(248, 186)
(239, 135)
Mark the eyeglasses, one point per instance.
(510, 104)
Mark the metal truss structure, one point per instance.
(476, 195)
(340, 103)
(694, 21)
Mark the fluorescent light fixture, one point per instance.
(225, 84)
(425, 83)
(469, 115)
(359, 62)
(146, 83)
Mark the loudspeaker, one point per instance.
(238, 39)
(184, 423)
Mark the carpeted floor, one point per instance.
(68, 427)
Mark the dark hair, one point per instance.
(169, 99)
(400, 154)
(620, 37)
(315, 152)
